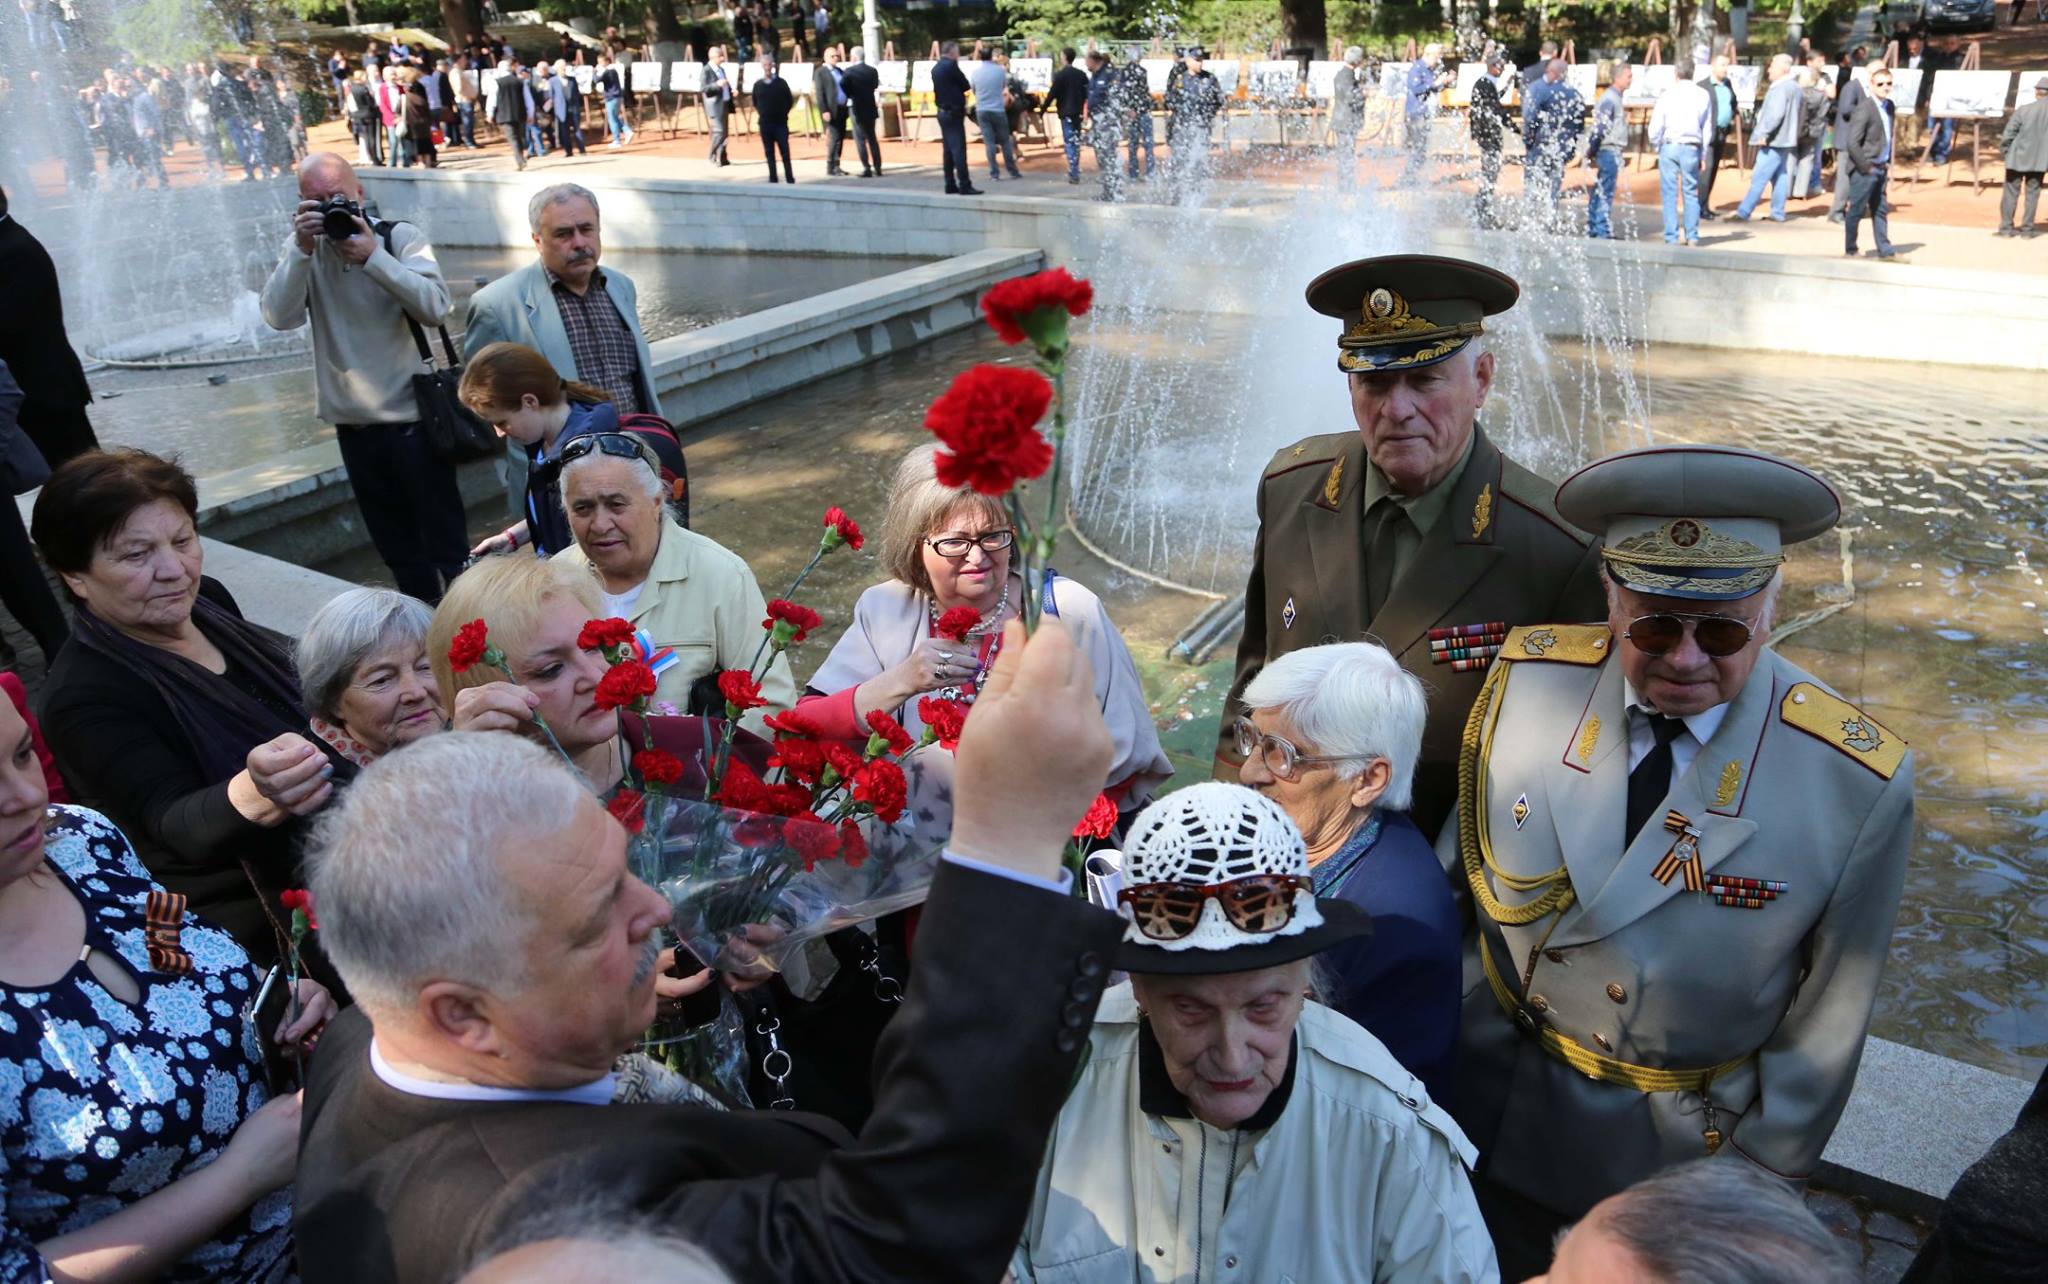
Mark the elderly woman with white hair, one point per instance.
(950, 556)
(364, 669)
(1333, 736)
(1225, 1125)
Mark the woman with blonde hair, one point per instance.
(520, 393)
(534, 611)
(950, 550)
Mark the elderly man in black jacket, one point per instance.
(949, 99)
(1866, 148)
(508, 111)
(33, 344)
(862, 85)
(497, 981)
(828, 95)
(773, 99)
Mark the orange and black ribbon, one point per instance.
(1684, 854)
(163, 930)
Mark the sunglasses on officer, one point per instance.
(1719, 636)
(1258, 903)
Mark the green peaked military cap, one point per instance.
(1403, 311)
(1703, 522)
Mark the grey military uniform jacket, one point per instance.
(1499, 554)
(1796, 787)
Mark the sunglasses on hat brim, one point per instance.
(1258, 903)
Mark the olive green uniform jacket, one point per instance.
(1498, 554)
(1795, 787)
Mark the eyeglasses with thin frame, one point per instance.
(1256, 903)
(1281, 758)
(1882, 84)
(954, 547)
(1719, 636)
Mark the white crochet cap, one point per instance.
(1207, 834)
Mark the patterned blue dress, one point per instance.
(102, 1103)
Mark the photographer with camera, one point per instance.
(358, 283)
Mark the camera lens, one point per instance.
(337, 219)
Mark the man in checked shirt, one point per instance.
(582, 318)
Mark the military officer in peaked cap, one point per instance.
(1685, 854)
(1413, 530)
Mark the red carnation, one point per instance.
(842, 760)
(944, 717)
(799, 759)
(987, 426)
(789, 623)
(891, 732)
(629, 809)
(597, 635)
(1037, 307)
(624, 684)
(810, 837)
(957, 623)
(790, 722)
(841, 529)
(469, 646)
(1100, 822)
(741, 790)
(296, 898)
(880, 785)
(853, 845)
(740, 690)
(658, 767)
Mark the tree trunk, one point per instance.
(350, 6)
(462, 19)
(1303, 22)
(662, 23)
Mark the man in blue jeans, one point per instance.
(1777, 140)
(1610, 138)
(1069, 95)
(1866, 148)
(1679, 126)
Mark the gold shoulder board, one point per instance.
(1567, 643)
(1843, 725)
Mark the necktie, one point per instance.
(1382, 528)
(1651, 779)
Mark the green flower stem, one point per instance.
(1033, 563)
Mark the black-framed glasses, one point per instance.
(1717, 635)
(1281, 758)
(1882, 84)
(1257, 903)
(616, 444)
(954, 547)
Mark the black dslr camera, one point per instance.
(338, 215)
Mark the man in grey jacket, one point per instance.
(1777, 140)
(359, 292)
(584, 319)
(2024, 144)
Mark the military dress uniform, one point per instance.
(1706, 986)
(1437, 578)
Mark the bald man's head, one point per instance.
(601, 1257)
(325, 174)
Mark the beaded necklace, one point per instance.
(990, 631)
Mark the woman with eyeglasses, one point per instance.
(1332, 736)
(949, 549)
(1222, 1108)
(692, 596)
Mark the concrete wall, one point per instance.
(1773, 302)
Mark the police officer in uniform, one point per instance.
(1414, 530)
(1685, 853)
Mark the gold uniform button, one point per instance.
(1605, 1046)
(1555, 956)
(1539, 1003)
(1616, 993)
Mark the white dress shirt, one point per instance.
(598, 1092)
(1685, 746)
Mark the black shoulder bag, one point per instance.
(453, 430)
